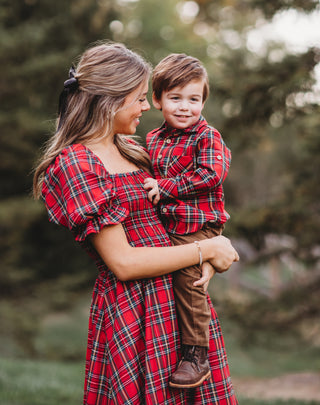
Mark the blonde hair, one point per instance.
(177, 70)
(105, 75)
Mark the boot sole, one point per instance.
(194, 385)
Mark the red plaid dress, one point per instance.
(133, 341)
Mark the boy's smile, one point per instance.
(181, 106)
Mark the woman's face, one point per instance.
(127, 118)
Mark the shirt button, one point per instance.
(168, 140)
(159, 156)
(164, 210)
(219, 157)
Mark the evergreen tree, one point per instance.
(262, 105)
(255, 102)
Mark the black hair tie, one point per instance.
(70, 86)
(72, 82)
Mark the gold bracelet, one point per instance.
(200, 253)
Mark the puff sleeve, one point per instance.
(79, 194)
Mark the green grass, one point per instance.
(268, 362)
(246, 401)
(26, 382)
(60, 338)
(63, 336)
(269, 355)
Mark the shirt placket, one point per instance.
(164, 156)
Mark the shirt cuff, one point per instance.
(167, 188)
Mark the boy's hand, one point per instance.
(151, 185)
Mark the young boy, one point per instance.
(190, 162)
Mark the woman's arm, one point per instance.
(130, 263)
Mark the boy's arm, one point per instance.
(213, 162)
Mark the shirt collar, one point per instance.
(167, 130)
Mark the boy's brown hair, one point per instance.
(177, 70)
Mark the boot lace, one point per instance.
(191, 355)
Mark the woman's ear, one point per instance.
(156, 103)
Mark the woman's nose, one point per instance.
(146, 105)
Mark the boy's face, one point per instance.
(181, 106)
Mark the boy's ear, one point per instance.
(156, 102)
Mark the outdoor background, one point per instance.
(261, 58)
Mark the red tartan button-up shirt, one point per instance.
(190, 166)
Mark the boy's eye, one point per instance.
(142, 100)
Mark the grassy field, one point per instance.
(246, 401)
(26, 382)
(270, 356)
(61, 340)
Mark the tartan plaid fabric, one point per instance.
(190, 166)
(133, 338)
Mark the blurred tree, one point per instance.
(259, 102)
(39, 40)
(262, 103)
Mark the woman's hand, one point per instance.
(224, 254)
(207, 273)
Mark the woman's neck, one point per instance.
(110, 156)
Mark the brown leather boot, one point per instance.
(193, 368)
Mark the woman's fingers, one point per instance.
(225, 254)
(207, 273)
(236, 256)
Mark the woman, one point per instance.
(91, 179)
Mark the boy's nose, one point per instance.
(183, 105)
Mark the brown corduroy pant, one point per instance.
(191, 302)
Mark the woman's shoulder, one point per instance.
(77, 158)
(75, 167)
(75, 185)
(77, 153)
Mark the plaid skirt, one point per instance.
(134, 346)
